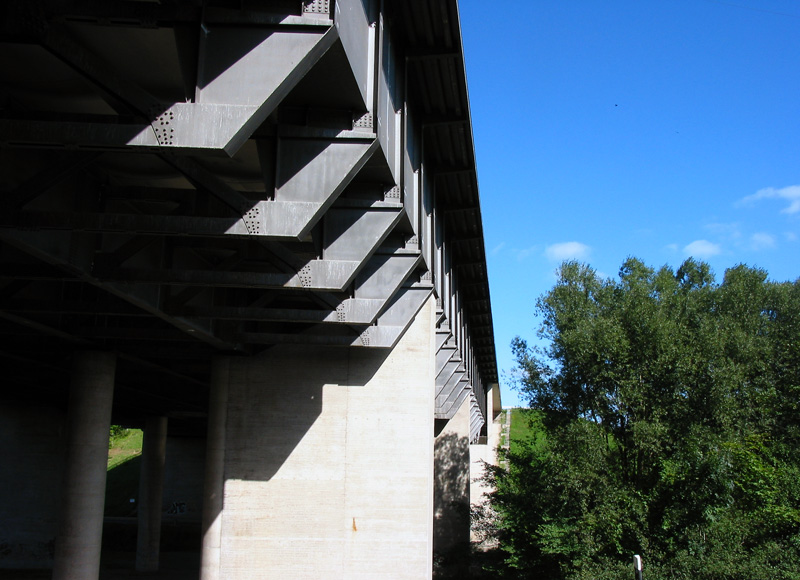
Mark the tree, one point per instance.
(668, 407)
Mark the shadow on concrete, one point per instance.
(275, 398)
(451, 546)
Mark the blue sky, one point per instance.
(612, 128)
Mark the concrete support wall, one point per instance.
(328, 469)
(77, 553)
(151, 487)
(32, 444)
(451, 495)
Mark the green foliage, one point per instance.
(669, 427)
(115, 431)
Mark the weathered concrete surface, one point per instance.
(77, 551)
(329, 462)
(32, 448)
(451, 495)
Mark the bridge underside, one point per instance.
(269, 205)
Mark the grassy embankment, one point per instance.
(123, 446)
(122, 484)
(525, 427)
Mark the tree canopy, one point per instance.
(667, 412)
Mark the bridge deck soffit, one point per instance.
(178, 182)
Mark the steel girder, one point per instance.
(458, 377)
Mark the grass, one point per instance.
(122, 481)
(124, 446)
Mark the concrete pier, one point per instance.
(151, 488)
(77, 550)
(213, 491)
(329, 463)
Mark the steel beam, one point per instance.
(59, 251)
(230, 102)
(367, 228)
(385, 333)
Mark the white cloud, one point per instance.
(790, 236)
(762, 241)
(497, 248)
(790, 194)
(672, 247)
(702, 249)
(567, 251)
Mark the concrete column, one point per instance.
(214, 488)
(451, 501)
(77, 550)
(151, 490)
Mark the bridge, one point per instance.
(251, 228)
